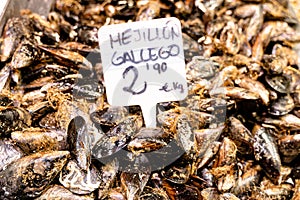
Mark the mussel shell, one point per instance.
(289, 145)
(206, 137)
(235, 93)
(135, 175)
(5, 75)
(230, 38)
(148, 139)
(240, 135)
(227, 153)
(153, 193)
(48, 121)
(13, 119)
(145, 145)
(179, 172)
(14, 30)
(167, 118)
(114, 194)
(59, 192)
(210, 193)
(110, 116)
(118, 137)
(79, 142)
(79, 181)
(248, 180)
(35, 140)
(266, 153)
(275, 191)
(293, 76)
(281, 106)
(30, 175)
(88, 35)
(278, 83)
(25, 55)
(190, 46)
(88, 89)
(9, 152)
(67, 58)
(182, 191)
(185, 134)
(108, 174)
(274, 64)
(200, 68)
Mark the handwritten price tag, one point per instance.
(143, 64)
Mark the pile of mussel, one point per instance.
(235, 136)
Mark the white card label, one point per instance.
(143, 64)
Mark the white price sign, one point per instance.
(143, 64)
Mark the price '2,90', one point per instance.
(160, 68)
(136, 74)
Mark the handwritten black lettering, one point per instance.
(178, 86)
(169, 31)
(163, 66)
(165, 88)
(126, 36)
(174, 50)
(156, 37)
(117, 61)
(159, 67)
(163, 53)
(145, 55)
(166, 33)
(112, 40)
(121, 38)
(174, 30)
(130, 87)
(152, 56)
(139, 35)
(174, 86)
